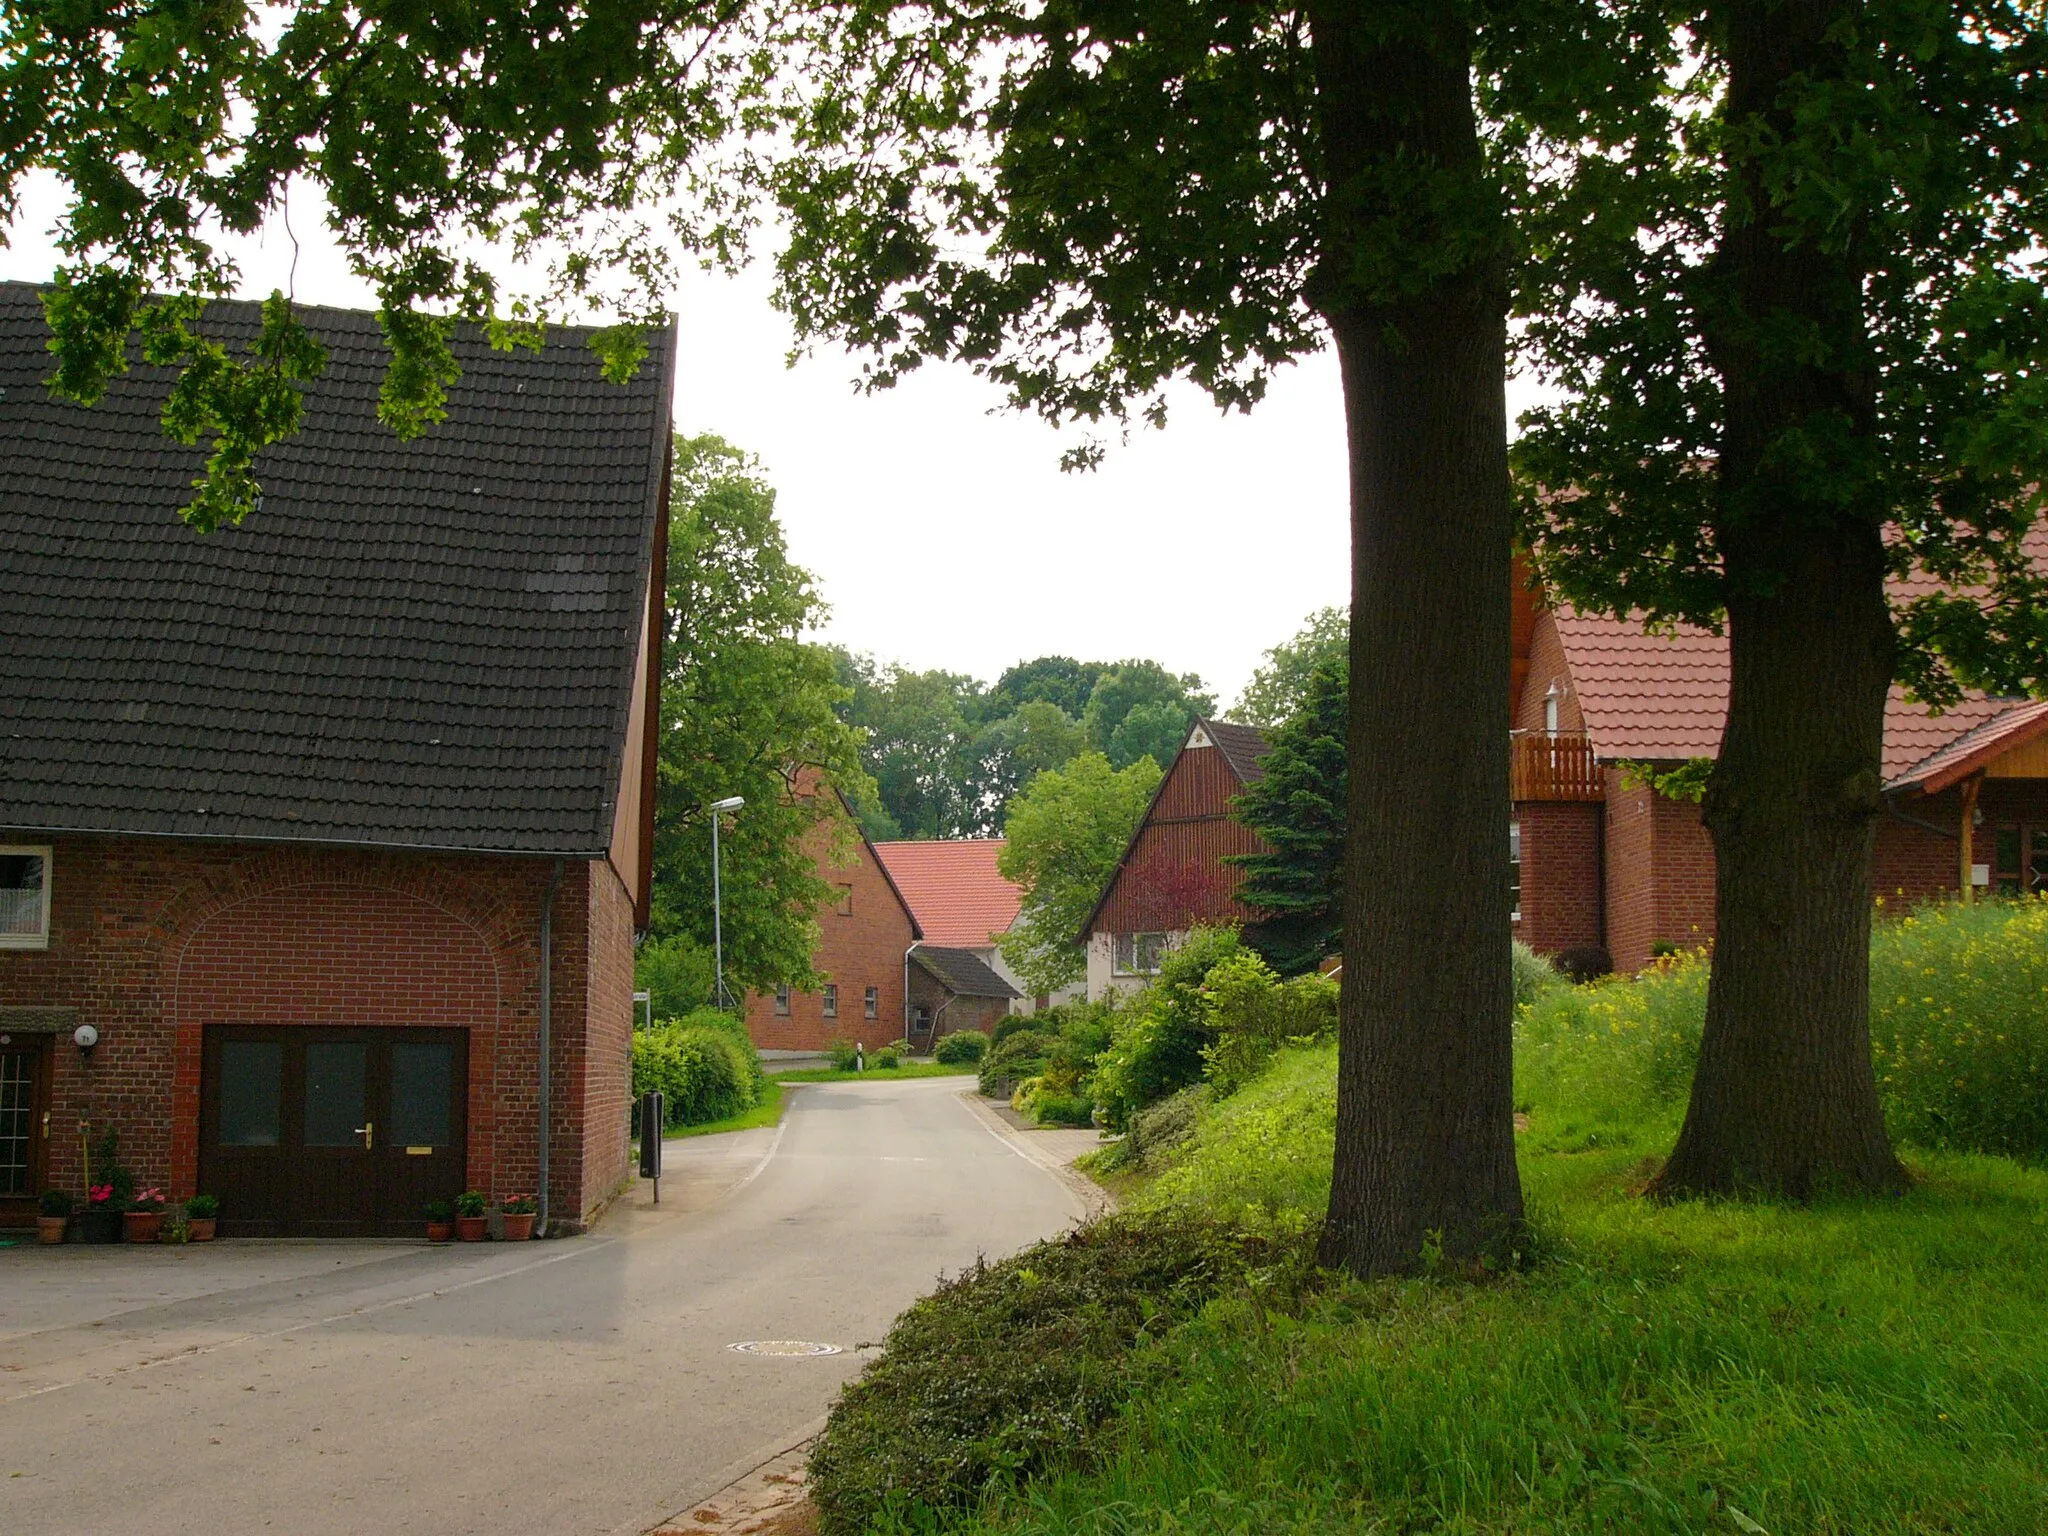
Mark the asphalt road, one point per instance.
(583, 1385)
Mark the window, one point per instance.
(1515, 870)
(2021, 861)
(871, 1004)
(1550, 709)
(24, 898)
(782, 1000)
(1137, 954)
(831, 1001)
(845, 908)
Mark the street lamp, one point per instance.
(719, 996)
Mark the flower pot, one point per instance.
(140, 1226)
(96, 1225)
(440, 1231)
(202, 1227)
(50, 1229)
(518, 1228)
(471, 1229)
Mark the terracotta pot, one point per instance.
(471, 1229)
(440, 1231)
(140, 1226)
(50, 1229)
(202, 1227)
(518, 1228)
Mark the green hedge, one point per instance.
(962, 1048)
(703, 1062)
(1016, 1056)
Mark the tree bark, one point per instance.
(1784, 1101)
(1425, 1158)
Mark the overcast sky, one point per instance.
(940, 526)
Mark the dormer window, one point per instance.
(24, 898)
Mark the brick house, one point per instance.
(291, 813)
(1601, 864)
(1172, 876)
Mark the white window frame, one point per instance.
(40, 939)
(831, 1000)
(871, 1003)
(1515, 871)
(1123, 954)
(782, 1001)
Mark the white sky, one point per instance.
(939, 526)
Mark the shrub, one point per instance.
(1588, 962)
(202, 1207)
(1015, 1023)
(471, 1203)
(843, 1054)
(1018, 1055)
(1160, 1037)
(1014, 1366)
(962, 1048)
(1959, 1026)
(1155, 1133)
(886, 1059)
(1253, 1014)
(1052, 1107)
(704, 1070)
(1534, 975)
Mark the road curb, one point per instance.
(1095, 1200)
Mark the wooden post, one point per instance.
(1966, 841)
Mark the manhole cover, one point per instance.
(783, 1347)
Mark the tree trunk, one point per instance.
(1784, 1101)
(1425, 1159)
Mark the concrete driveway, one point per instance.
(585, 1385)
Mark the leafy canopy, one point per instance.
(1278, 687)
(748, 707)
(1066, 831)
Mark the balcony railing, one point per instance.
(1554, 767)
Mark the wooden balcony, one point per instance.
(1560, 767)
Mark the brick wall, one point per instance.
(858, 948)
(607, 1041)
(152, 940)
(1660, 875)
(1547, 666)
(1560, 874)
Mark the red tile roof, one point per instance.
(952, 888)
(1660, 698)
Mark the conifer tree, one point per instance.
(1297, 806)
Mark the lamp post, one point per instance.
(719, 996)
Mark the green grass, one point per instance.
(767, 1112)
(1852, 1368)
(882, 1074)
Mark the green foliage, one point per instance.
(1254, 1014)
(1534, 975)
(1139, 709)
(1299, 808)
(886, 1059)
(54, 1202)
(704, 1063)
(1015, 1366)
(1688, 781)
(1161, 1036)
(962, 1048)
(1612, 1056)
(471, 1203)
(1959, 1026)
(1019, 1055)
(200, 1207)
(1051, 1107)
(842, 1053)
(748, 708)
(1014, 1023)
(1279, 687)
(1154, 1136)
(677, 970)
(1066, 831)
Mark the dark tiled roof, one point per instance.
(1242, 746)
(415, 644)
(962, 972)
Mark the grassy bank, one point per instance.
(1840, 1368)
(766, 1111)
(877, 1074)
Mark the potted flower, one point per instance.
(440, 1221)
(518, 1212)
(100, 1222)
(144, 1215)
(201, 1212)
(176, 1229)
(53, 1215)
(470, 1220)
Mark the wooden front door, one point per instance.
(24, 1125)
(332, 1132)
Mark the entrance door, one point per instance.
(332, 1132)
(24, 1123)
